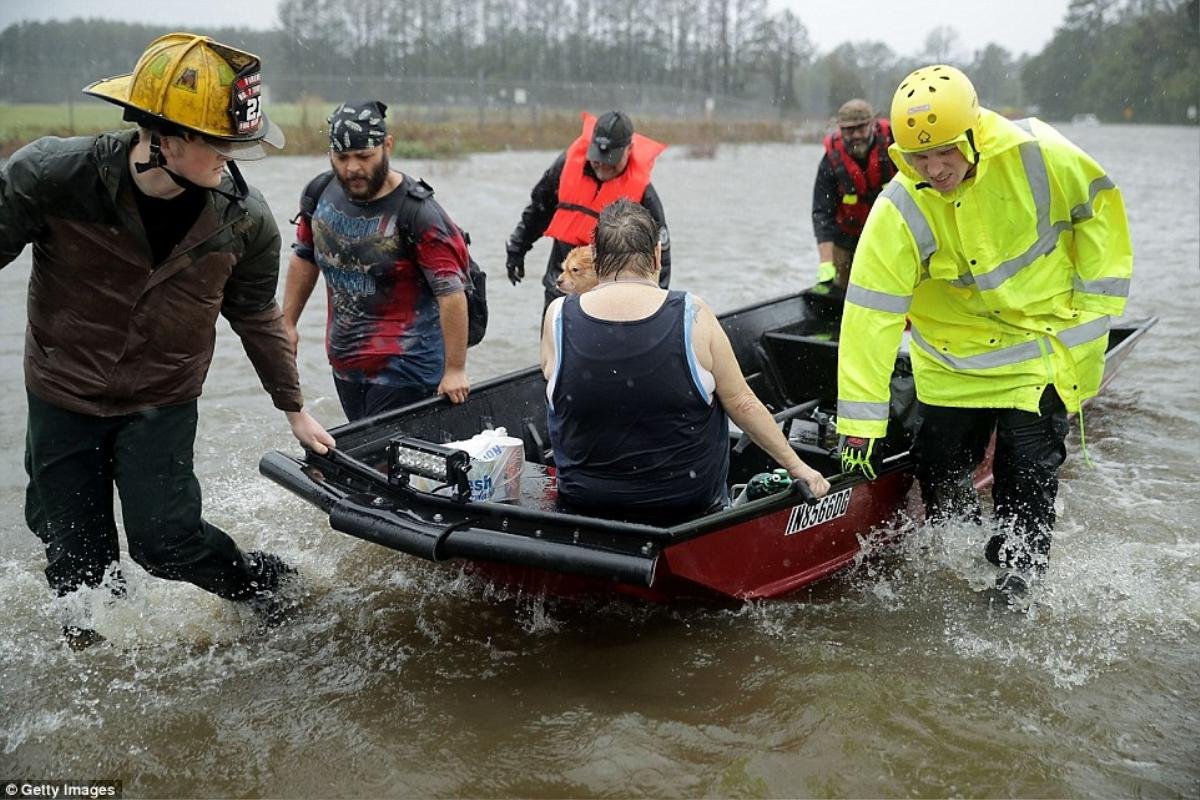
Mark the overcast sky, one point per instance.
(1025, 26)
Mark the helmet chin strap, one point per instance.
(158, 160)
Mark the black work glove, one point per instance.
(515, 266)
(858, 455)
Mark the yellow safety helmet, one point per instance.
(199, 85)
(934, 106)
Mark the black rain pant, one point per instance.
(74, 460)
(1030, 448)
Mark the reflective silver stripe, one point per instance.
(1015, 354)
(1082, 334)
(1039, 185)
(963, 281)
(879, 301)
(1110, 287)
(913, 218)
(848, 409)
(1039, 181)
(1045, 243)
(1084, 210)
(996, 358)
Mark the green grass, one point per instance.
(27, 121)
(420, 132)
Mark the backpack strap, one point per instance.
(475, 280)
(406, 217)
(406, 223)
(312, 195)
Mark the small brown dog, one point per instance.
(579, 271)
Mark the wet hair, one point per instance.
(626, 235)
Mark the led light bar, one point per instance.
(408, 456)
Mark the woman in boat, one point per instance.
(640, 380)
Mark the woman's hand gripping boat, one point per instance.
(765, 548)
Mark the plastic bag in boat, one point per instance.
(496, 463)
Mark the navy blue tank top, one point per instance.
(632, 426)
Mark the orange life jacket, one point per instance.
(581, 198)
(858, 188)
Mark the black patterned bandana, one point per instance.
(357, 125)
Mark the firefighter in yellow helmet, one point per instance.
(1007, 248)
(141, 237)
(196, 90)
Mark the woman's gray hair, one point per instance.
(626, 236)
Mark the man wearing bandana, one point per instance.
(606, 163)
(851, 175)
(141, 237)
(395, 268)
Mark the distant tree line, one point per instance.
(48, 62)
(1108, 55)
(727, 47)
(1137, 60)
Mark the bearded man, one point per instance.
(851, 175)
(395, 268)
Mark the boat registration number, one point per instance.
(830, 507)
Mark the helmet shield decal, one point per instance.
(245, 90)
(245, 103)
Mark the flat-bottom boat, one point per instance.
(765, 548)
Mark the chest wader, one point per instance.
(951, 442)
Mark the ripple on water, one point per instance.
(900, 677)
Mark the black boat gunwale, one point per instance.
(437, 527)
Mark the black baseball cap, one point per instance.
(612, 134)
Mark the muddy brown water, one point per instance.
(401, 678)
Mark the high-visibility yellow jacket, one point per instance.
(1008, 281)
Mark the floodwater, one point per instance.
(401, 678)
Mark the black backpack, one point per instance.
(406, 221)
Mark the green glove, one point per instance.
(826, 272)
(858, 455)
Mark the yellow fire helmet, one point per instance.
(199, 85)
(934, 106)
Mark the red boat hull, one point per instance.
(766, 557)
(771, 547)
(779, 554)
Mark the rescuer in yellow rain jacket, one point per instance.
(1007, 248)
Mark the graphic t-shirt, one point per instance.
(383, 324)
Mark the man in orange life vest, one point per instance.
(607, 162)
(851, 174)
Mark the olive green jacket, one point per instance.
(109, 331)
